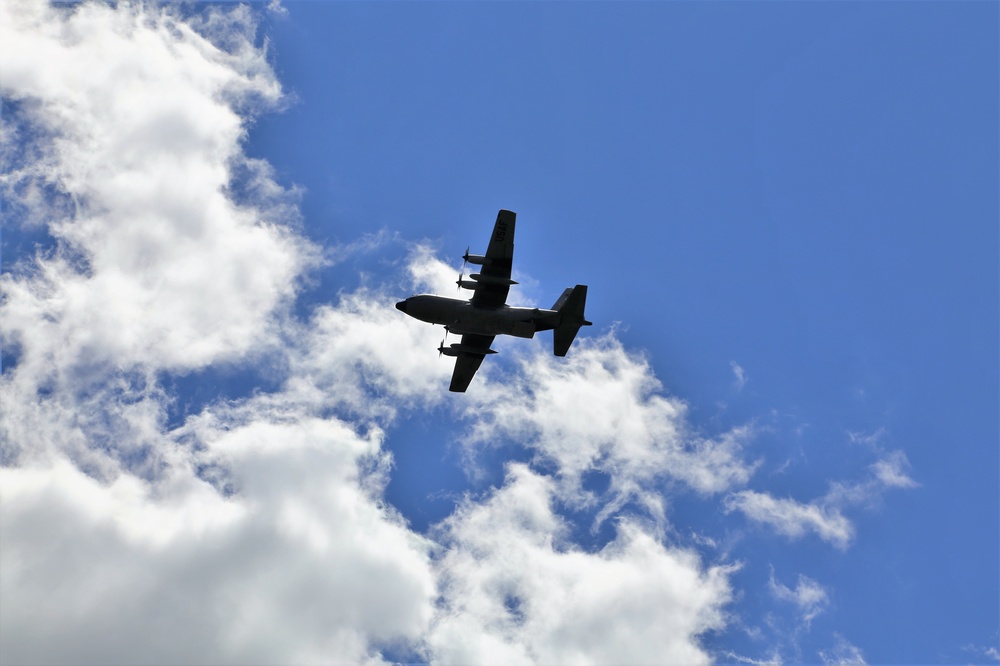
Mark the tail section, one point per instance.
(570, 306)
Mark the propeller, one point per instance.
(461, 276)
(465, 257)
(441, 346)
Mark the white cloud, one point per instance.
(158, 265)
(824, 516)
(809, 596)
(772, 660)
(516, 591)
(600, 409)
(980, 652)
(275, 7)
(300, 564)
(739, 374)
(842, 654)
(793, 519)
(868, 439)
(177, 253)
(257, 531)
(891, 471)
(362, 354)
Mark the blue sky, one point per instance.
(778, 443)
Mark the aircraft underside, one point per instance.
(462, 317)
(484, 316)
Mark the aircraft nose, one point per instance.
(401, 306)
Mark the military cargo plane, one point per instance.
(486, 315)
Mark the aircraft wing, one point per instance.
(467, 362)
(494, 282)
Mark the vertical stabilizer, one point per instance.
(570, 306)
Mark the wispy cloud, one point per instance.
(989, 653)
(739, 375)
(793, 519)
(824, 516)
(774, 660)
(843, 653)
(809, 596)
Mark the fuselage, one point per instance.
(461, 316)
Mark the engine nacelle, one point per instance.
(458, 348)
(465, 284)
(491, 279)
(477, 259)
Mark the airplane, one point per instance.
(486, 315)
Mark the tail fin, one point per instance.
(570, 305)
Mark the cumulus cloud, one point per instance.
(517, 591)
(361, 355)
(130, 117)
(601, 410)
(298, 562)
(256, 530)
